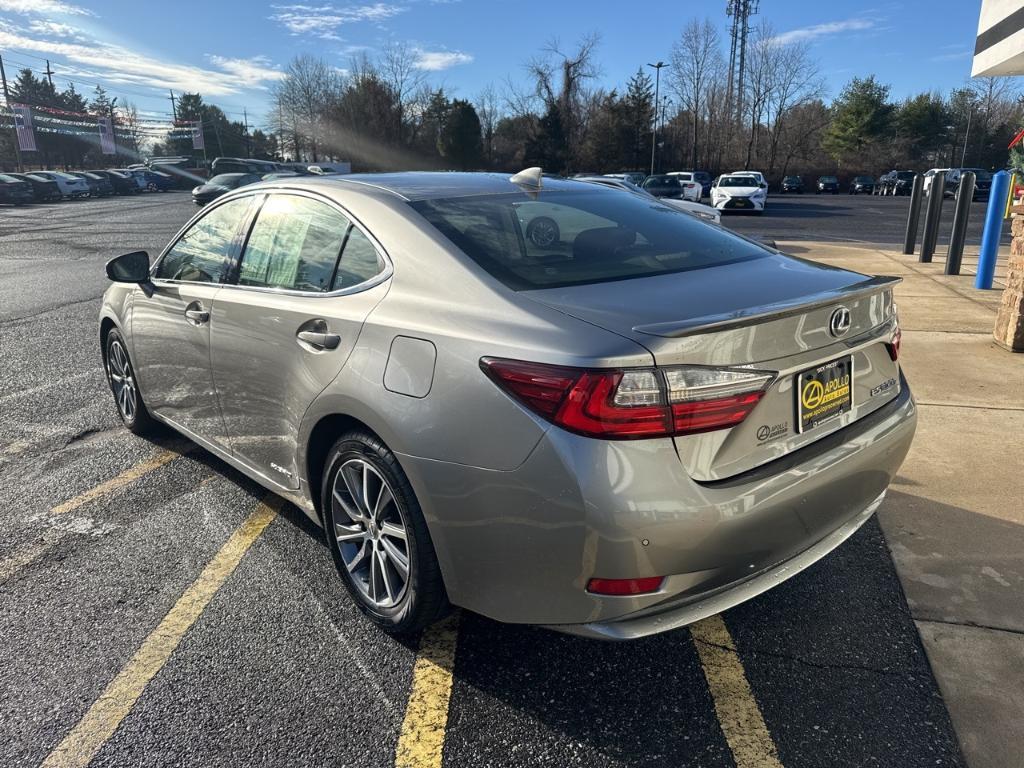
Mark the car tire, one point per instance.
(543, 232)
(359, 467)
(121, 378)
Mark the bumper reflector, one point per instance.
(642, 586)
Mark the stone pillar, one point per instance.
(1009, 330)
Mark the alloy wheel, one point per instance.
(122, 380)
(370, 532)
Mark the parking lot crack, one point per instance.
(889, 672)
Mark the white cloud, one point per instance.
(117, 64)
(323, 21)
(822, 30)
(434, 61)
(953, 56)
(254, 71)
(44, 7)
(55, 29)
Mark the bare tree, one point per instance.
(560, 86)
(487, 110)
(302, 98)
(794, 79)
(397, 65)
(696, 66)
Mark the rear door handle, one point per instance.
(197, 316)
(319, 340)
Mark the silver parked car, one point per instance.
(539, 399)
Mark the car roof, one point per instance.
(413, 186)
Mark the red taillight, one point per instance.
(632, 403)
(893, 346)
(642, 586)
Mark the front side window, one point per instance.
(294, 245)
(203, 253)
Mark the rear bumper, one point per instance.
(674, 615)
(520, 546)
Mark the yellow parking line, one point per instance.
(421, 741)
(128, 476)
(31, 552)
(110, 709)
(738, 713)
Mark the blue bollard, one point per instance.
(993, 230)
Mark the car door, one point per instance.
(170, 326)
(286, 326)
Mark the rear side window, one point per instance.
(203, 253)
(359, 261)
(294, 245)
(580, 237)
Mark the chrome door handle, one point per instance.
(319, 340)
(197, 316)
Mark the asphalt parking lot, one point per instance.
(160, 609)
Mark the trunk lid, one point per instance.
(770, 314)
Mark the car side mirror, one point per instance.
(129, 268)
(763, 186)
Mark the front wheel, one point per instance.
(121, 377)
(543, 232)
(378, 537)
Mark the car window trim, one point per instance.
(377, 279)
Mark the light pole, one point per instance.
(967, 134)
(654, 131)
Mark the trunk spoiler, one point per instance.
(774, 311)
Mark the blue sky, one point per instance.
(232, 51)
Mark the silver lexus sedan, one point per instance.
(542, 400)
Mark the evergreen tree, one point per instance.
(460, 140)
(639, 105)
(861, 116)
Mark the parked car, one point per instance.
(756, 174)
(153, 181)
(99, 186)
(705, 180)
(829, 184)
(218, 185)
(861, 185)
(982, 182)
(43, 190)
(652, 468)
(224, 165)
(739, 192)
(929, 177)
(692, 188)
(895, 183)
(123, 183)
(701, 211)
(793, 185)
(663, 185)
(15, 191)
(634, 177)
(70, 186)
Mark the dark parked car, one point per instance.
(99, 186)
(119, 182)
(218, 185)
(828, 184)
(154, 181)
(862, 185)
(792, 184)
(982, 182)
(662, 185)
(705, 180)
(14, 191)
(43, 190)
(895, 183)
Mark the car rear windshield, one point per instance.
(863, 180)
(829, 179)
(905, 175)
(10, 179)
(980, 174)
(580, 237)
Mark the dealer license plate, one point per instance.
(825, 392)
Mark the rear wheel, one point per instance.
(121, 377)
(378, 537)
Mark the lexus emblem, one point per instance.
(840, 322)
